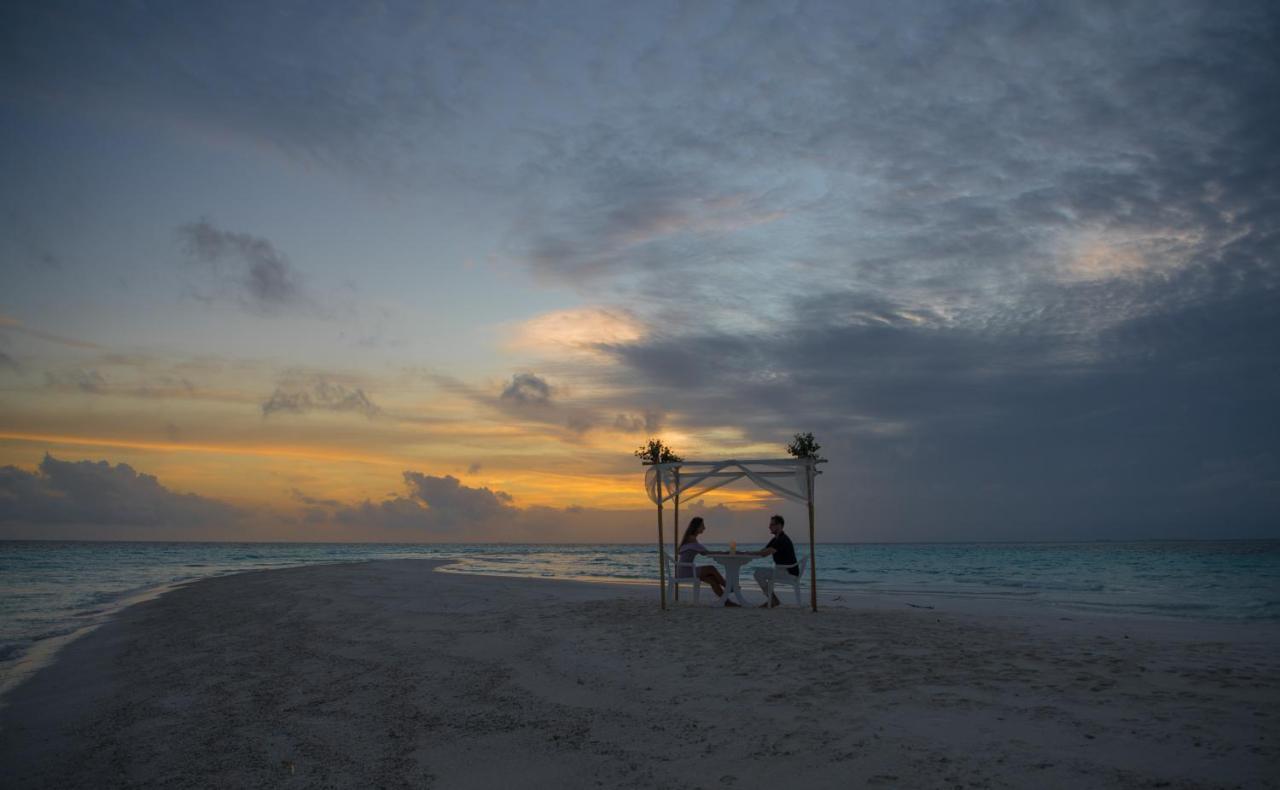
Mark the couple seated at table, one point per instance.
(780, 548)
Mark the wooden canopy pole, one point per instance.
(813, 567)
(662, 566)
(675, 534)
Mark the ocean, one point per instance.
(51, 589)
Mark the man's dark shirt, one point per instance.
(784, 552)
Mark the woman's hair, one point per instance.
(691, 531)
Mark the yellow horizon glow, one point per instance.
(211, 436)
(334, 474)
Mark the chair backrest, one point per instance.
(800, 565)
(672, 564)
(673, 572)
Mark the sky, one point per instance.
(431, 271)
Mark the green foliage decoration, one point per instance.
(655, 451)
(805, 446)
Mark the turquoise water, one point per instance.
(50, 589)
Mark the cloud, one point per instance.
(89, 381)
(316, 510)
(442, 508)
(576, 331)
(527, 389)
(270, 281)
(350, 89)
(452, 501)
(321, 394)
(294, 402)
(97, 493)
(432, 505)
(137, 377)
(580, 421)
(632, 215)
(649, 422)
(314, 501)
(530, 398)
(1099, 257)
(957, 162)
(258, 274)
(14, 325)
(22, 241)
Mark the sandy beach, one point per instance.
(393, 674)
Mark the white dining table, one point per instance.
(732, 563)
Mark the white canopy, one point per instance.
(790, 478)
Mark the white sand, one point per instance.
(390, 674)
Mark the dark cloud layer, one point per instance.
(961, 153)
(1017, 264)
(1162, 425)
(97, 493)
(1036, 296)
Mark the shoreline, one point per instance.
(389, 672)
(44, 652)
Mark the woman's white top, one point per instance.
(687, 553)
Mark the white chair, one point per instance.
(673, 582)
(782, 575)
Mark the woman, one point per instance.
(691, 548)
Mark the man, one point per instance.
(783, 552)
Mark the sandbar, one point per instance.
(394, 674)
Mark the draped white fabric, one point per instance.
(790, 478)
